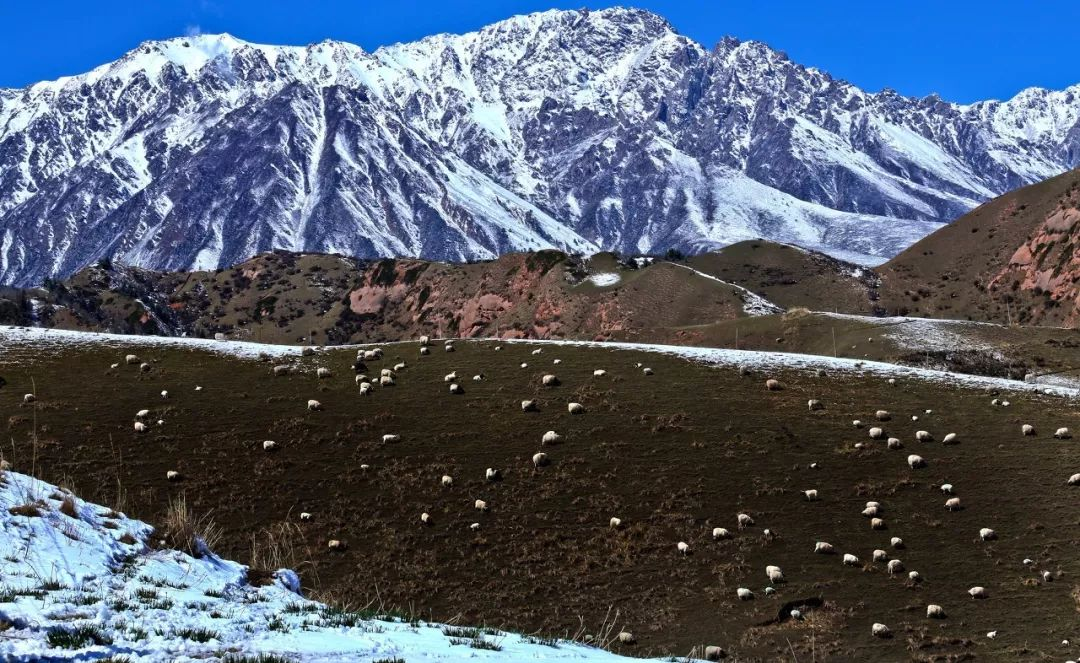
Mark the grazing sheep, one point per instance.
(447, 480)
(132, 359)
(361, 378)
(774, 574)
(556, 361)
(599, 373)
(823, 548)
(575, 408)
(140, 427)
(160, 422)
(364, 467)
(857, 423)
(877, 524)
(896, 542)
(549, 380)
(935, 612)
(314, 405)
(282, 370)
(627, 638)
(145, 367)
(492, 474)
(455, 388)
(172, 475)
(390, 438)
(551, 437)
(978, 593)
(1027, 430)
(450, 377)
(424, 341)
(425, 518)
(850, 560)
(769, 591)
(873, 505)
(365, 388)
(914, 576)
(114, 366)
(879, 630)
(946, 489)
(164, 395)
(895, 443)
(811, 495)
(987, 534)
(1062, 434)
(335, 544)
(478, 377)
(498, 348)
(744, 520)
(386, 381)
(29, 398)
(305, 517)
(538, 351)
(1047, 576)
(400, 366)
(773, 385)
(1074, 480)
(1028, 561)
(615, 523)
(892, 381)
(425, 351)
(924, 436)
(894, 566)
(528, 406)
(269, 445)
(480, 505)
(448, 347)
(880, 555)
(882, 415)
(719, 533)
(876, 433)
(951, 438)
(539, 459)
(915, 461)
(474, 527)
(814, 404)
(683, 547)
(323, 372)
(524, 364)
(647, 371)
(952, 504)
(386, 373)
(142, 414)
(744, 594)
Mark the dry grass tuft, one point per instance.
(279, 547)
(183, 530)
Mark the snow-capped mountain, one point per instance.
(570, 129)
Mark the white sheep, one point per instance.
(386, 373)
(448, 346)
(876, 433)
(924, 436)
(951, 438)
(335, 544)
(132, 359)
(400, 366)
(524, 364)
(549, 380)
(145, 367)
(391, 438)
(447, 480)
(599, 373)
(425, 351)
(491, 474)
(305, 517)
(935, 611)
(539, 459)
(424, 341)
(550, 437)
(474, 527)
(744, 594)
(879, 630)
(528, 406)
(538, 351)
(269, 445)
(744, 520)
(857, 423)
(478, 377)
(873, 505)
(823, 548)
(480, 505)
(880, 555)
(142, 414)
(987, 534)
(684, 547)
(1062, 434)
(450, 377)
(164, 395)
(425, 518)
(615, 523)
(896, 542)
(1074, 480)
(952, 504)
(314, 405)
(774, 574)
(282, 370)
(814, 404)
(455, 388)
(172, 475)
(915, 461)
(386, 381)
(882, 415)
(556, 361)
(575, 408)
(626, 638)
(850, 560)
(140, 427)
(895, 566)
(498, 348)
(323, 372)
(877, 524)
(719, 533)
(1047, 576)
(773, 385)
(946, 489)
(1027, 430)
(365, 388)
(647, 371)
(894, 443)
(811, 495)
(114, 366)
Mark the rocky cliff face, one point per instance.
(575, 130)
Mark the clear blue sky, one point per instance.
(964, 50)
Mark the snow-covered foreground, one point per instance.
(79, 582)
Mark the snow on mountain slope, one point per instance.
(79, 581)
(579, 130)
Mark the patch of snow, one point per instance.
(753, 303)
(604, 279)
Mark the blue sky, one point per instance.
(964, 50)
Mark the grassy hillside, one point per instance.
(673, 454)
